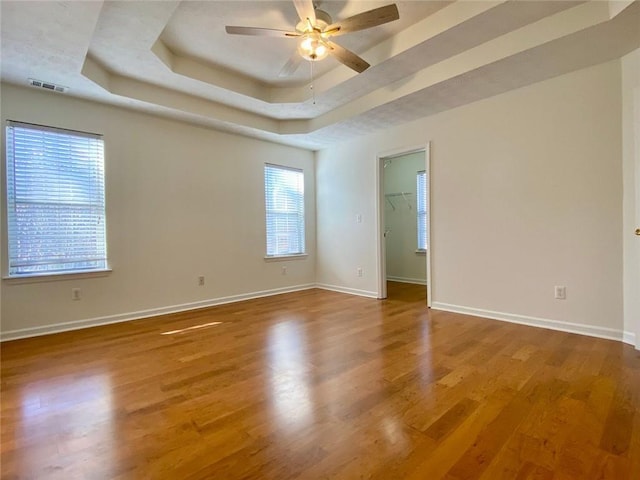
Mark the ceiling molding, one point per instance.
(156, 95)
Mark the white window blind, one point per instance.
(55, 201)
(284, 202)
(422, 209)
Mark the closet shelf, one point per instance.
(405, 195)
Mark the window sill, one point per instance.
(280, 258)
(421, 252)
(55, 277)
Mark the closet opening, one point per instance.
(404, 253)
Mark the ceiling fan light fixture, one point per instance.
(312, 47)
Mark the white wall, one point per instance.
(631, 198)
(345, 186)
(182, 201)
(526, 195)
(403, 263)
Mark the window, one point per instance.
(284, 201)
(422, 209)
(55, 201)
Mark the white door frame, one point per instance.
(380, 226)
(636, 244)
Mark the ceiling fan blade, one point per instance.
(261, 32)
(347, 57)
(368, 19)
(291, 66)
(305, 10)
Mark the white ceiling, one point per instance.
(174, 58)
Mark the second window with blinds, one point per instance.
(421, 210)
(284, 205)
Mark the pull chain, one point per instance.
(313, 92)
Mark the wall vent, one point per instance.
(48, 85)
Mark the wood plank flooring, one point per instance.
(315, 385)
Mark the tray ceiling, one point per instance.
(174, 59)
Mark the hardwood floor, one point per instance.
(319, 384)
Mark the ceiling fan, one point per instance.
(314, 30)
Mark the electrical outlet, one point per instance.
(359, 218)
(359, 271)
(283, 271)
(560, 292)
(201, 280)
(76, 294)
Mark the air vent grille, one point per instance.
(48, 85)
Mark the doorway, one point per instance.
(404, 253)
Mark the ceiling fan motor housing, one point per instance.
(323, 17)
(323, 20)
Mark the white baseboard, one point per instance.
(416, 281)
(600, 332)
(351, 291)
(589, 330)
(630, 338)
(125, 317)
